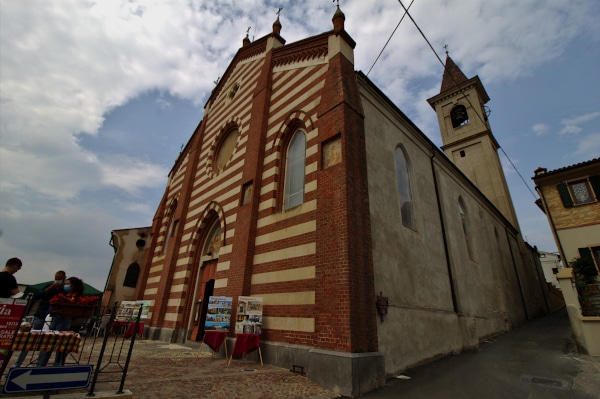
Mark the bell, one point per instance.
(459, 117)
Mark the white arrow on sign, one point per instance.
(27, 379)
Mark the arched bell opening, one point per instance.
(459, 116)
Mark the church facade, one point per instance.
(306, 186)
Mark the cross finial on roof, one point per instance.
(338, 2)
(279, 12)
(446, 48)
(248, 31)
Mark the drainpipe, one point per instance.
(443, 226)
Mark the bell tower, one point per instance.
(467, 136)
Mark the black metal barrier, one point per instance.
(101, 341)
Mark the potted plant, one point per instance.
(586, 283)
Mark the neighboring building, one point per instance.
(551, 266)
(130, 247)
(306, 186)
(570, 198)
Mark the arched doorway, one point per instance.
(206, 287)
(206, 279)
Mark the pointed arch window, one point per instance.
(464, 220)
(405, 200)
(295, 171)
(131, 277)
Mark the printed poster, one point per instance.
(145, 309)
(129, 310)
(218, 315)
(249, 315)
(11, 312)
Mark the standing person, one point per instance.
(44, 295)
(8, 282)
(73, 288)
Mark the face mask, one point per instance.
(67, 288)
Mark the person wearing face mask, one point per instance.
(44, 295)
(72, 288)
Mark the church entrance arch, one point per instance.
(206, 278)
(206, 285)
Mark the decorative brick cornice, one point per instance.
(303, 50)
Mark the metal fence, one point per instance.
(101, 340)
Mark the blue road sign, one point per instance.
(24, 379)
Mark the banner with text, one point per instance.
(11, 312)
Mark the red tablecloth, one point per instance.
(118, 326)
(214, 339)
(131, 330)
(55, 341)
(245, 343)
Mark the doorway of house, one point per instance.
(205, 291)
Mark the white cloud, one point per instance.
(578, 120)
(588, 147)
(571, 126)
(132, 175)
(540, 129)
(70, 63)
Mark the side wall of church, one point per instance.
(451, 281)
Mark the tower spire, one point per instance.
(453, 76)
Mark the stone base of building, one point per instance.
(347, 374)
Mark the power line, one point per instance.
(516, 170)
(390, 38)
(462, 92)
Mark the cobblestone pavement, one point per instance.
(159, 370)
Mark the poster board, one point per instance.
(11, 312)
(218, 314)
(249, 315)
(128, 311)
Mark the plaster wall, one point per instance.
(411, 267)
(579, 237)
(126, 253)
(409, 271)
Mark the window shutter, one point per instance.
(584, 252)
(565, 195)
(595, 182)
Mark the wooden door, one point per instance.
(205, 290)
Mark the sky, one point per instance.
(97, 99)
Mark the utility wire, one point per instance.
(463, 93)
(390, 38)
(516, 170)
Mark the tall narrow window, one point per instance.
(170, 227)
(462, 209)
(295, 171)
(404, 192)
